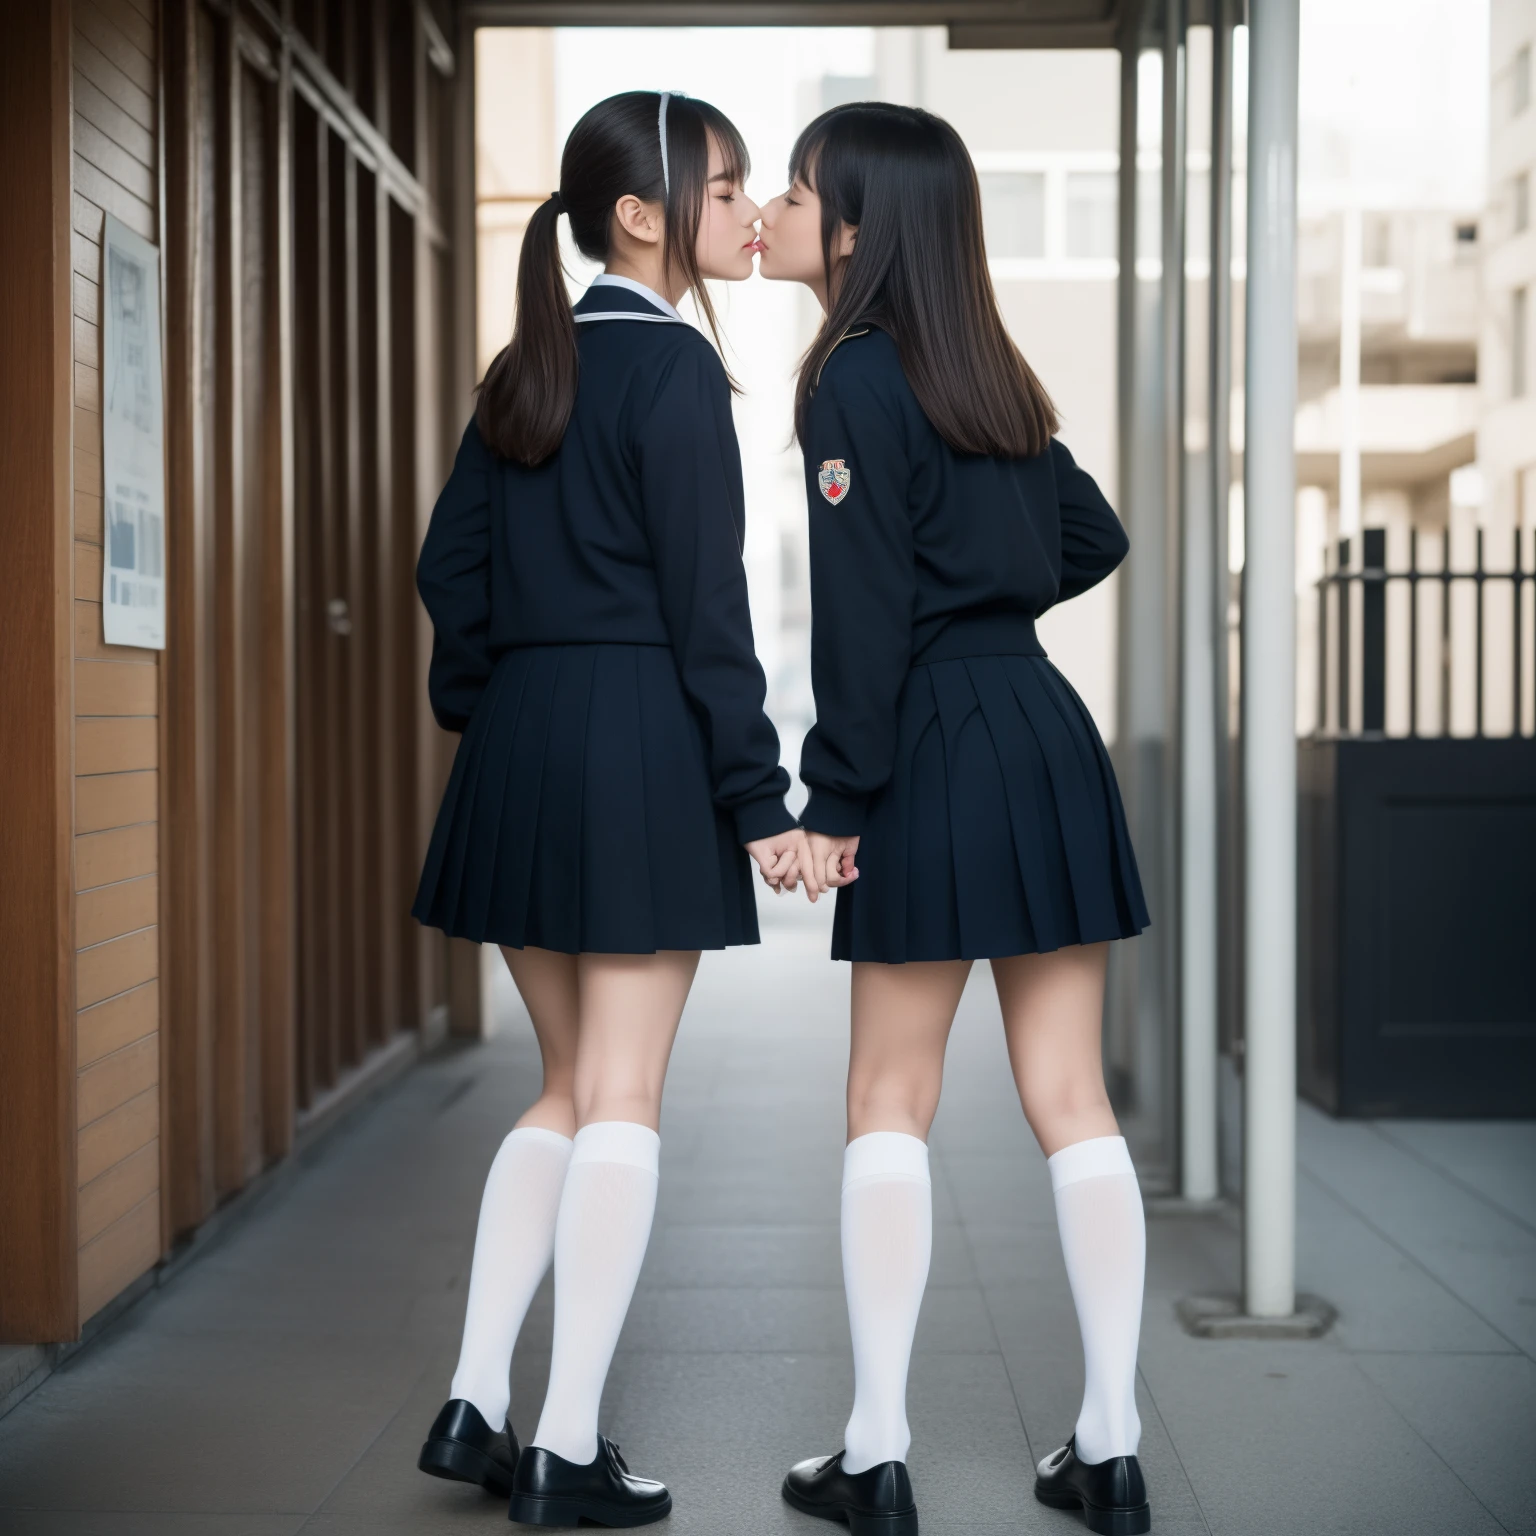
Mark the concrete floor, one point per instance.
(283, 1382)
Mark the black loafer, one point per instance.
(549, 1490)
(1111, 1494)
(875, 1502)
(461, 1445)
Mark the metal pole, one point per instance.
(1269, 670)
(1204, 716)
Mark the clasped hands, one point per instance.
(822, 863)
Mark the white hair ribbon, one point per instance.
(661, 129)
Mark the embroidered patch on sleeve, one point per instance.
(834, 478)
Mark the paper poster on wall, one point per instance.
(133, 442)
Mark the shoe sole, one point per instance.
(530, 1509)
(902, 1522)
(1102, 1522)
(462, 1463)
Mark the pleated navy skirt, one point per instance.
(1001, 830)
(579, 817)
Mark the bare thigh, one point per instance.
(1053, 1015)
(901, 1019)
(630, 1006)
(547, 982)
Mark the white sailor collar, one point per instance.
(667, 313)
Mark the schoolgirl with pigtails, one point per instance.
(961, 802)
(592, 643)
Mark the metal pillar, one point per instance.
(1203, 720)
(1269, 670)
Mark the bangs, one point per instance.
(733, 148)
(807, 151)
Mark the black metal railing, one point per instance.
(1357, 643)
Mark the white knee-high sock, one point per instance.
(513, 1244)
(1104, 1241)
(887, 1243)
(600, 1241)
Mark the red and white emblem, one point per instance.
(834, 478)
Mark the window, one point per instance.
(1519, 342)
(1092, 200)
(1522, 203)
(1013, 211)
(1520, 82)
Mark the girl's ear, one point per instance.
(847, 237)
(639, 219)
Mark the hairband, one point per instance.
(661, 129)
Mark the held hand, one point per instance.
(829, 863)
(780, 859)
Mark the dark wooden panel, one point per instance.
(309, 479)
(407, 935)
(233, 1021)
(387, 625)
(38, 1295)
(345, 514)
(191, 397)
(365, 642)
(277, 939)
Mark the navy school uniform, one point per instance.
(989, 819)
(592, 642)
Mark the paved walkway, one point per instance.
(284, 1381)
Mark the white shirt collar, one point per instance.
(613, 280)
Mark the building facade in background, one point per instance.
(1506, 438)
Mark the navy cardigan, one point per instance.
(920, 554)
(630, 534)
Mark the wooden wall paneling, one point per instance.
(328, 849)
(350, 651)
(279, 802)
(188, 700)
(390, 621)
(365, 642)
(404, 79)
(265, 816)
(232, 577)
(408, 938)
(335, 38)
(309, 598)
(38, 1264)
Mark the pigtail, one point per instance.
(529, 391)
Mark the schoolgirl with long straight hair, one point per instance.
(592, 642)
(959, 767)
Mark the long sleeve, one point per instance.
(453, 576)
(691, 492)
(863, 581)
(1092, 541)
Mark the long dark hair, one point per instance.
(902, 179)
(529, 391)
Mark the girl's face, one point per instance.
(727, 240)
(791, 240)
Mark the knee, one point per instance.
(554, 1110)
(886, 1099)
(618, 1096)
(1065, 1098)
